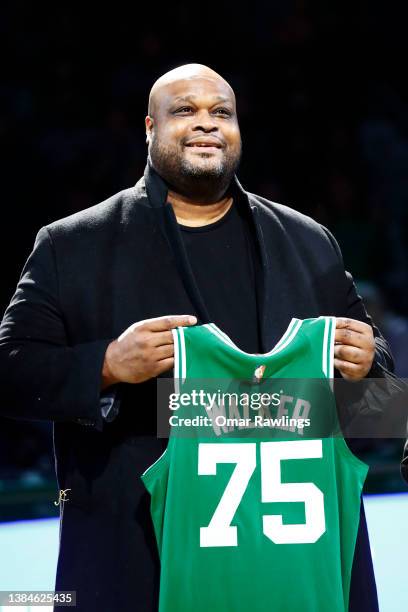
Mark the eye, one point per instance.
(184, 109)
(223, 111)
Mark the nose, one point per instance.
(204, 123)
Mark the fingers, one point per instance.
(163, 352)
(353, 333)
(349, 337)
(353, 324)
(354, 348)
(349, 353)
(165, 364)
(168, 322)
(162, 338)
(349, 371)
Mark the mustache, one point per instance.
(215, 140)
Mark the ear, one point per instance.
(149, 128)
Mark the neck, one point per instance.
(195, 214)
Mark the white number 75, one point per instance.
(220, 532)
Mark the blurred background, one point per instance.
(323, 107)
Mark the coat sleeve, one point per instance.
(383, 361)
(383, 367)
(42, 377)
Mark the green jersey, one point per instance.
(248, 524)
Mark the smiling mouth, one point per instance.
(204, 145)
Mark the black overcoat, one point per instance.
(89, 277)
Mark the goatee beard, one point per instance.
(194, 181)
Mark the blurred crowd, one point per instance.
(323, 112)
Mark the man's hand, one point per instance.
(144, 350)
(354, 348)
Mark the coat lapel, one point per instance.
(275, 310)
(156, 190)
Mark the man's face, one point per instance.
(193, 133)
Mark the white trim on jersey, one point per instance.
(176, 361)
(153, 464)
(283, 344)
(220, 333)
(331, 349)
(287, 335)
(183, 364)
(228, 339)
(290, 333)
(328, 348)
(325, 361)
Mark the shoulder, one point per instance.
(115, 210)
(294, 224)
(285, 215)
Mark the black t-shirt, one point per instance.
(225, 263)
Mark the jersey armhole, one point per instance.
(153, 472)
(349, 455)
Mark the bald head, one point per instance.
(185, 73)
(192, 131)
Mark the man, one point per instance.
(93, 312)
